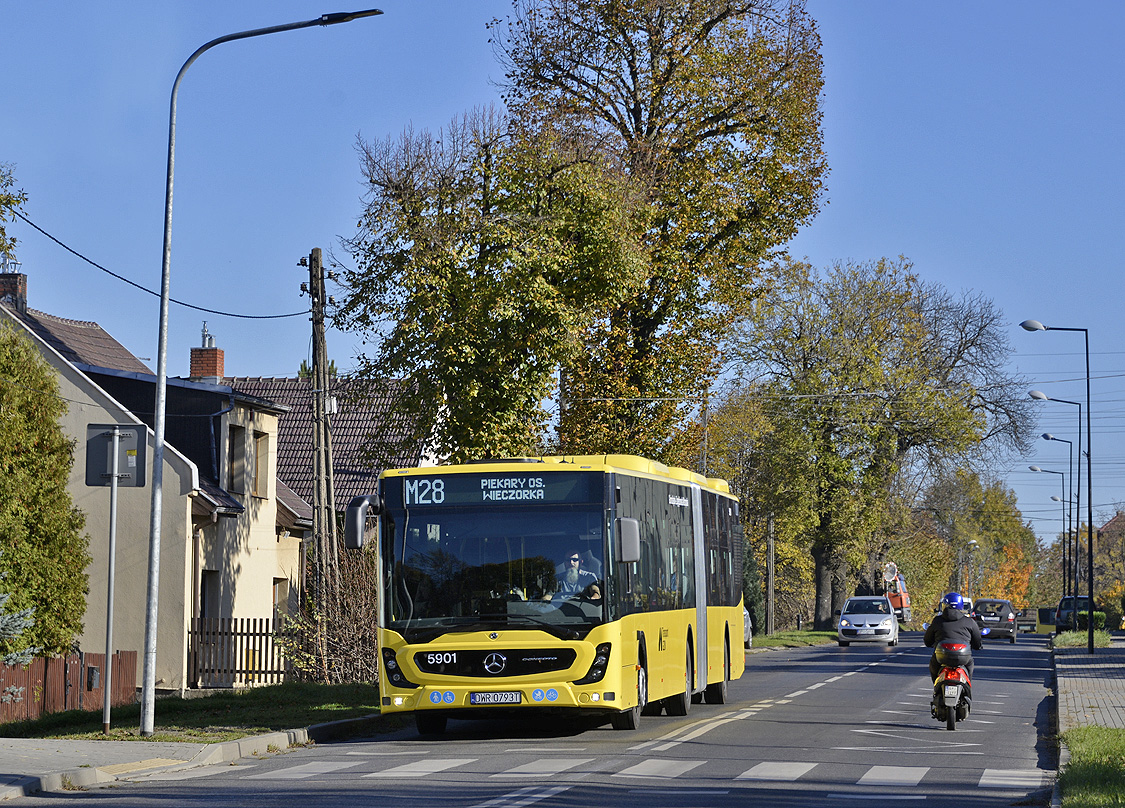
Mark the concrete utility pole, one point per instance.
(326, 587)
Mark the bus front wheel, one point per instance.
(429, 723)
(631, 718)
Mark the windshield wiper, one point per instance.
(563, 632)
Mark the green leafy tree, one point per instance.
(480, 255)
(43, 551)
(13, 624)
(710, 113)
(868, 372)
(11, 200)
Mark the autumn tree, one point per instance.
(482, 252)
(869, 373)
(997, 553)
(43, 551)
(11, 200)
(710, 112)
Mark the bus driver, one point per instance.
(573, 579)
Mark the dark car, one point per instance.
(1064, 614)
(997, 615)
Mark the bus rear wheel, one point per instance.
(681, 702)
(716, 693)
(631, 718)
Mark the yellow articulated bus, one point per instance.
(606, 584)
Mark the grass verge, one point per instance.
(794, 639)
(1081, 639)
(1095, 775)
(223, 716)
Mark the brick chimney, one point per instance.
(13, 284)
(207, 362)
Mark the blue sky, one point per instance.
(980, 140)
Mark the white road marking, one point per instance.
(1013, 778)
(304, 770)
(875, 797)
(893, 776)
(797, 693)
(777, 770)
(538, 768)
(422, 767)
(663, 769)
(524, 796)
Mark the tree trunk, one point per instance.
(823, 618)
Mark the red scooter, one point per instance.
(953, 691)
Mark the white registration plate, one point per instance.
(992, 619)
(865, 631)
(499, 697)
(952, 691)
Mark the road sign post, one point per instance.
(115, 456)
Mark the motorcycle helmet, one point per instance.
(954, 600)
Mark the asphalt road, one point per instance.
(822, 726)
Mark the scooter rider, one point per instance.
(952, 625)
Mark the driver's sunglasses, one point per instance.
(574, 558)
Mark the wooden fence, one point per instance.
(73, 682)
(232, 651)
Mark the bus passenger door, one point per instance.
(701, 590)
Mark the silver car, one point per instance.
(867, 618)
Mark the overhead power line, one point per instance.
(157, 294)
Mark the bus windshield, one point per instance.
(464, 568)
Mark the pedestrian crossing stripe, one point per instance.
(776, 771)
(423, 767)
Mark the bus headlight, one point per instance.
(392, 670)
(598, 667)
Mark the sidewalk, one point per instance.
(29, 765)
(1090, 688)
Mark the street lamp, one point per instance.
(148, 683)
(1062, 475)
(1075, 559)
(1068, 518)
(1035, 325)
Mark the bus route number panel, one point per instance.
(501, 489)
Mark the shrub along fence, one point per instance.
(72, 682)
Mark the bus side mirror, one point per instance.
(628, 540)
(355, 519)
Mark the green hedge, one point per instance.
(1099, 621)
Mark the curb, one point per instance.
(209, 755)
(1063, 751)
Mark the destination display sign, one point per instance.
(499, 488)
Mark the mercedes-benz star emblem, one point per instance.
(494, 663)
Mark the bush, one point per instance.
(1099, 621)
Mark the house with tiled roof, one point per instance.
(353, 424)
(231, 532)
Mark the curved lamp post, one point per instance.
(1068, 517)
(148, 683)
(1062, 475)
(1035, 325)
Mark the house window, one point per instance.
(236, 457)
(209, 594)
(260, 464)
(280, 599)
